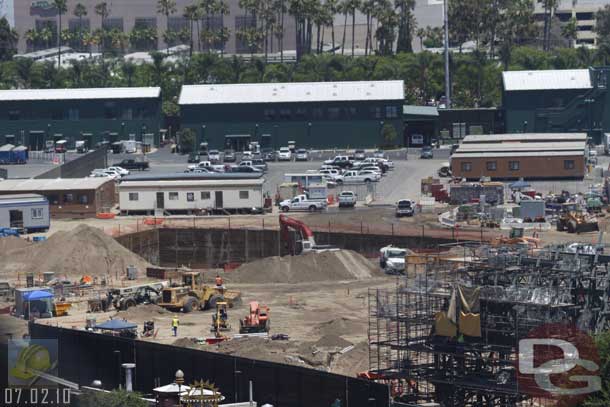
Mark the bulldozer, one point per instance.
(193, 294)
(575, 220)
(256, 321)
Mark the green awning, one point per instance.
(412, 110)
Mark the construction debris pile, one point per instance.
(334, 265)
(451, 334)
(71, 254)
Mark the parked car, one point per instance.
(379, 154)
(131, 164)
(284, 154)
(255, 162)
(247, 155)
(426, 152)
(245, 168)
(214, 156)
(342, 161)
(332, 173)
(229, 156)
(355, 177)
(193, 158)
(268, 154)
(347, 199)
(301, 155)
(120, 170)
(198, 170)
(404, 207)
(359, 155)
(302, 203)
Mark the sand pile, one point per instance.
(325, 266)
(83, 250)
(12, 243)
(339, 326)
(332, 341)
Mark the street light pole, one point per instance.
(447, 84)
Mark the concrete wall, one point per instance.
(79, 167)
(203, 248)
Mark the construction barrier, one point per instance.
(105, 215)
(153, 221)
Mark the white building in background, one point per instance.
(191, 196)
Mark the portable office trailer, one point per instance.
(191, 196)
(24, 211)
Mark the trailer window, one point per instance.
(513, 165)
(133, 196)
(190, 196)
(568, 164)
(244, 194)
(68, 198)
(36, 213)
(492, 165)
(173, 196)
(205, 195)
(466, 166)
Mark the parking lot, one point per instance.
(402, 182)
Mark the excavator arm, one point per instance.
(286, 224)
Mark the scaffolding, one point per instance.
(517, 292)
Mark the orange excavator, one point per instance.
(307, 241)
(256, 321)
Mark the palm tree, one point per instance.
(421, 33)
(367, 7)
(80, 11)
(352, 6)
(32, 37)
(61, 7)
(332, 7)
(222, 8)
(167, 8)
(190, 13)
(102, 10)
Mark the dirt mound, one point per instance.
(144, 311)
(325, 266)
(332, 341)
(339, 326)
(83, 250)
(12, 243)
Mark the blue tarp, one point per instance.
(37, 295)
(116, 325)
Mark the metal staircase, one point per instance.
(576, 115)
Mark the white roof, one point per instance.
(291, 92)
(57, 184)
(509, 146)
(510, 154)
(547, 80)
(79, 94)
(525, 137)
(20, 198)
(192, 183)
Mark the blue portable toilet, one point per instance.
(5, 153)
(20, 155)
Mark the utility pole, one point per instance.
(447, 76)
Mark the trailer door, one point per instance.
(16, 218)
(218, 199)
(160, 200)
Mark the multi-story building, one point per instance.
(127, 15)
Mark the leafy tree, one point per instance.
(389, 135)
(8, 40)
(602, 24)
(406, 25)
(23, 70)
(128, 69)
(187, 138)
(602, 398)
(570, 31)
(115, 398)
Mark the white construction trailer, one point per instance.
(191, 196)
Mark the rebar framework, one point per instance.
(519, 291)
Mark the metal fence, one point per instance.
(86, 356)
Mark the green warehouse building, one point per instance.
(313, 114)
(557, 101)
(33, 116)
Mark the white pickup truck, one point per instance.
(208, 166)
(302, 203)
(357, 177)
(347, 199)
(392, 259)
